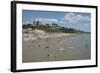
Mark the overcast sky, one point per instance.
(75, 20)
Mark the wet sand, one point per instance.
(53, 49)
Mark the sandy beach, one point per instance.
(32, 37)
(54, 48)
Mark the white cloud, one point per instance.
(75, 18)
(27, 22)
(86, 24)
(47, 20)
(62, 22)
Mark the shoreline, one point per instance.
(30, 37)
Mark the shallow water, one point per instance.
(77, 47)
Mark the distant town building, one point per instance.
(36, 23)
